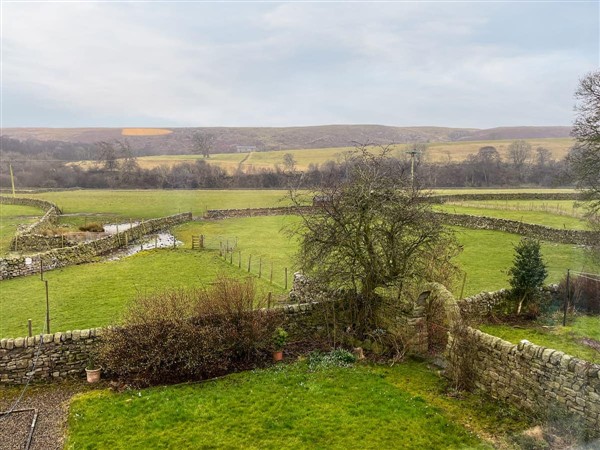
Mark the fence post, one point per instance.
(286, 278)
(568, 297)
(240, 259)
(47, 309)
(249, 262)
(231, 257)
(220, 248)
(29, 328)
(269, 300)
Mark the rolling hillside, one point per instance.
(178, 141)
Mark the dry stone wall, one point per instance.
(578, 237)
(49, 218)
(530, 376)
(550, 196)
(66, 354)
(252, 212)
(48, 356)
(87, 251)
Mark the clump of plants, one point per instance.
(335, 358)
(182, 335)
(92, 227)
(527, 276)
(280, 338)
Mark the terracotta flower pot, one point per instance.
(93, 375)
(278, 356)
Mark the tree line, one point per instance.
(36, 166)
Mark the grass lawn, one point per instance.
(11, 216)
(148, 204)
(547, 218)
(92, 295)
(566, 339)
(290, 406)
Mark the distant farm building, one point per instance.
(245, 148)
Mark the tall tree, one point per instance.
(203, 143)
(372, 232)
(527, 273)
(585, 156)
(519, 153)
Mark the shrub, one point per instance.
(527, 275)
(195, 334)
(93, 227)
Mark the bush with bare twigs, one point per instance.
(182, 335)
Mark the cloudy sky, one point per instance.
(459, 64)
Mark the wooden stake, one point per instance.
(286, 278)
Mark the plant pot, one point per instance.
(93, 375)
(278, 356)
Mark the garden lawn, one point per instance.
(11, 216)
(289, 406)
(148, 204)
(566, 339)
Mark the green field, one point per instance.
(566, 339)
(549, 218)
(11, 216)
(94, 294)
(148, 204)
(291, 406)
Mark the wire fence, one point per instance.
(257, 263)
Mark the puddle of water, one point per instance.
(149, 242)
(114, 228)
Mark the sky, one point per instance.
(176, 64)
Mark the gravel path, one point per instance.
(51, 401)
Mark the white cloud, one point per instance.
(285, 64)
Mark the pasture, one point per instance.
(557, 214)
(437, 152)
(295, 406)
(94, 294)
(11, 216)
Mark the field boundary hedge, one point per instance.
(86, 251)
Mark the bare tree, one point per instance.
(107, 155)
(585, 157)
(203, 143)
(374, 232)
(519, 153)
(543, 156)
(289, 162)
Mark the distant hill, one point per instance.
(148, 141)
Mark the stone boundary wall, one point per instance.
(440, 198)
(252, 212)
(60, 355)
(50, 217)
(563, 236)
(66, 354)
(530, 376)
(87, 251)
